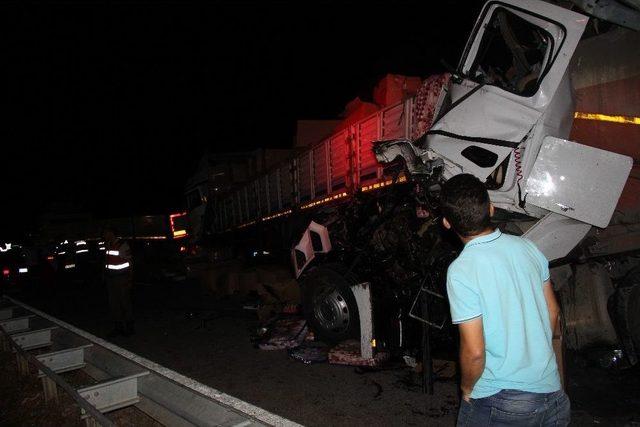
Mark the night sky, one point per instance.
(109, 105)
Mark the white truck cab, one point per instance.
(505, 117)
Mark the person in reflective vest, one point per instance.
(119, 280)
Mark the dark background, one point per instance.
(109, 105)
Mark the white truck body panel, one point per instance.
(556, 235)
(577, 181)
(485, 114)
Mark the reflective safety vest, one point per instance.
(117, 258)
(81, 247)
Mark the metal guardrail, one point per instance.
(51, 379)
(165, 395)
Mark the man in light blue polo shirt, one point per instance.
(501, 298)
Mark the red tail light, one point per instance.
(178, 231)
(6, 272)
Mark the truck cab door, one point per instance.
(511, 67)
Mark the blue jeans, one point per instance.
(516, 408)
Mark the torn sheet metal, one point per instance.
(305, 251)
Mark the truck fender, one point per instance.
(315, 239)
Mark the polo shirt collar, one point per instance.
(484, 239)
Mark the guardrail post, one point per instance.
(23, 364)
(50, 389)
(5, 343)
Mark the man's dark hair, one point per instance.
(465, 203)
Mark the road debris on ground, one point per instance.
(285, 334)
(310, 352)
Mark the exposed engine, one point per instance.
(394, 240)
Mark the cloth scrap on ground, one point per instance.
(285, 333)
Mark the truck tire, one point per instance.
(329, 305)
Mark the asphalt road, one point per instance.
(209, 339)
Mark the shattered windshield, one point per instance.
(513, 54)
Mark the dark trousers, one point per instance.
(516, 408)
(119, 290)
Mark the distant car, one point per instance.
(15, 270)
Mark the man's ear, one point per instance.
(492, 210)
(446, 223)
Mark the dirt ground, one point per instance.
(209, 339)
(22, 401)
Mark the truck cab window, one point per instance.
(513, 54)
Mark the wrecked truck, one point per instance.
(504, 115)
(372, 258)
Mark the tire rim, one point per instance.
(331, 310)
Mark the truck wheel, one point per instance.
(329, 305)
